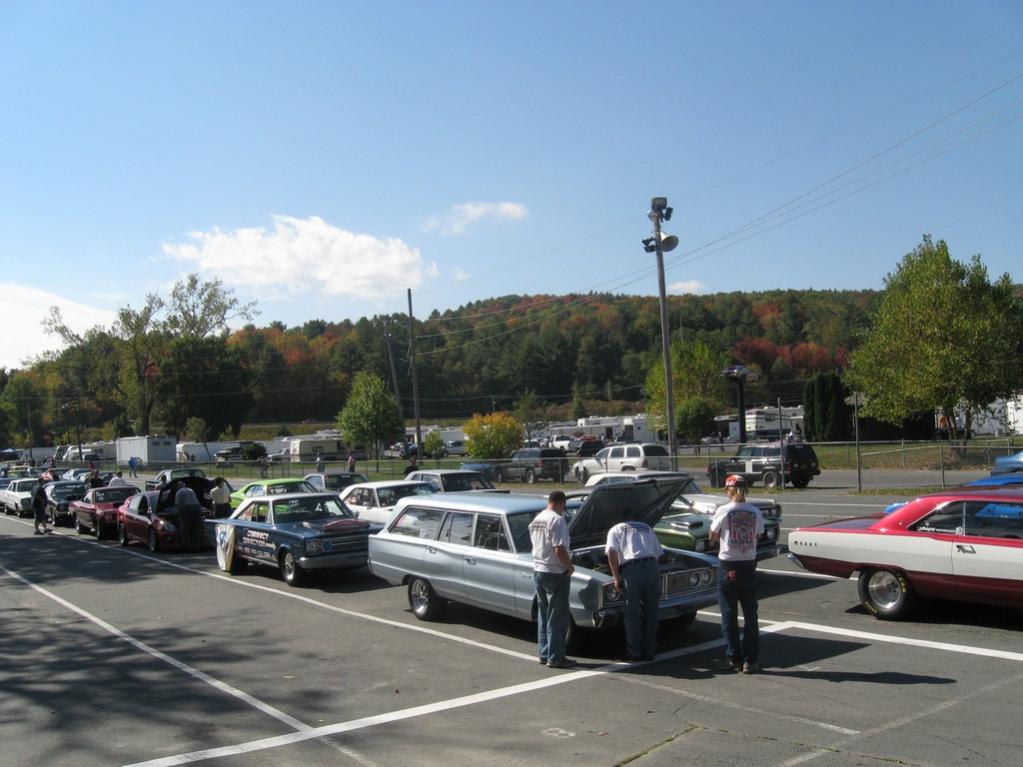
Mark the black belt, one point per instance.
(638, 559)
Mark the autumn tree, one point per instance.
(494, 435)
(943, 336)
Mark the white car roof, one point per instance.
(597, 479)
(386, 483)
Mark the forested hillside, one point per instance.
(486, 354)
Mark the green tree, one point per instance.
(694, 418)
(494, 435)
(370, 416)
(433, 444)
(578, 405)
(825, 414)
(529, 411)
(943, 336)
(203, 308)
(197, 430)
(695, 372)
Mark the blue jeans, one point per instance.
(642, 582)
(551, 615)
(737, 585)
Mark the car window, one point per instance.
(315, 480)
(490, 533)
(259, 511)
(654, 450)
(617, 452)
(518, 524)
(603, 453)
(994, 519)
(419, 523)
(309, 509)
(632, 451)
(254, 490)
(944, 520)
(457, 528)
(745, 452)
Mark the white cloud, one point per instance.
(686, 286)
(433, 272)
(25, 308)
(299, 254)
(457, 220)
(461, 275)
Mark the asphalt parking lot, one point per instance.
(118, 657)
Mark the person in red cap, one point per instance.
(736, 527)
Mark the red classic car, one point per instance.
(97, 511)
(964, 545)
(150, 517)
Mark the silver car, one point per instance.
(475, 548)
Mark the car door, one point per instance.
(633, 457)
(927, 555)
(987, 554)
(136, 520)
(489, 566)
(372, 510)
(356, 501)
(446, 559)
(412, 547)
(615, 458)
(253, 536)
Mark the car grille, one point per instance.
(347, 543)
(680, 582)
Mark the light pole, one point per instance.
(659, 211)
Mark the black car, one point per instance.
(59, 496)
(590, 447)
(532, 463)
(767, 464)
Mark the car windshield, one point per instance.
(300, 486)
(63, 492)
(459, 482)
(388, 496)
(182, 473)
(309, 509)
(114, 494)
(341, 481)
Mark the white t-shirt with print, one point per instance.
(547, 530)
(739, 525)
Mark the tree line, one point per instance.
(941, 332)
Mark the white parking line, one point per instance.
(417, 711)
(301, 598)
(910, 641)
(224, 687)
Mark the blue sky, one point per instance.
(321, 158)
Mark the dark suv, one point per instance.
(533, 463)
(764, 463)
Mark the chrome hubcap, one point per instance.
(420, 597)
(289, 566)
(884, 589)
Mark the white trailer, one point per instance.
(150, 451)
(308, 448)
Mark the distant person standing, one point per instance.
(221, 497)
(413, 465)
(319, 463)
(117, 480)
(737, 526)
(351, 461)
(39, 509)
(632, 553)
(132, 466)
(190, 514)
(552, 576)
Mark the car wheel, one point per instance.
(584, 475)
(886, 594)
(292, 572)
(423, 600)
(801, 482)
(529, 477)
(154, 541)
(771, 479)
(122, 535)
(79, 527)
(98, 530)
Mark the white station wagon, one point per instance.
(475, 548)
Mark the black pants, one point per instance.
(191, 527)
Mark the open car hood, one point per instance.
(646, 501)
(200, 486)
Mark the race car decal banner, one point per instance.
(225, 546)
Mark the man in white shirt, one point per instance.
(737, 526)
(117, 480)
(632, 553)
(552, 574)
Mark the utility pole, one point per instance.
(394, 372)
(415, 380)
(659, 211)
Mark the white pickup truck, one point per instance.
(16, 498)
